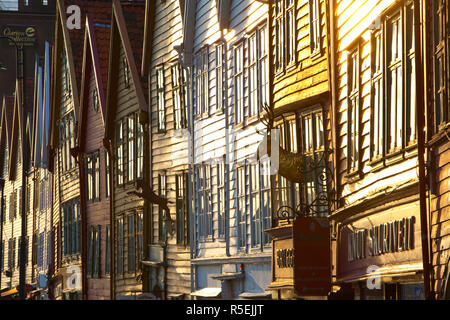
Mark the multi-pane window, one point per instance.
(93, 175)
(255, 205)
(411, 109)
(395, 82)
(119, 245)
(220, 75)
(161, 99)
(162, 190)
(221, 198)
(40, 250)
(312, 149)
(242, 210)
(257, 70)
(131, 241)
(108, 250)
(178, 95)
(202, 82)
(182, 210)
(239, 82)
(139, 148)
(139, 238)
(353, 88)
(107, 176)
(120, 146)
(67, 141)
(377, 94)
(264, 166)
(71, 227)
(285, 34)
(440, 67)
(11, 253)
(314, 25)
(131, 147)
(205, 227)
(93, 258)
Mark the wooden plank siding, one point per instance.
(309, 77)
(353, 20)
(169, 153)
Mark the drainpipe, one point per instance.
(421, 147)
(187, 67)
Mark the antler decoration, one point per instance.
(148, 194)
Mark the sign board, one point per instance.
(24, 35)
(312, 273)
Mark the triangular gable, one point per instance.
(96, 49)
(150, 9)
(5, 127)
(223, 12)
(121, 32)
(15, 133)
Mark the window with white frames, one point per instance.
(178, 96)
(161, 99)
(139, 148)
(220, 169)
(353, 85)
(241, 202)
(71, 227)
(93, 175)
(182, 218)
(139, 238)
(131, 243)
(285, 34)
(440, 68)
(131, 120)
(220, 75)
(67, 140)
(255, 211)
(377, 94)
(204, 214)
(239, 83)
(264, 167)
(202, 82)
(162, 190)
(120, 146)
(257, 70)
(107, 176)
(314, 25)
(120, 240)
(93, 258)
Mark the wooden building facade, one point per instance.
(300, 100)
(376, 225)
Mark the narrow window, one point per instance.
(253, 75)
(377, 94)
(255, 205)
(263, 79)
(411, 110)
(139, 149)
(131, 147)
(107, 250)
(290, 32)
(265, 197)
(279, 35)
(242, 214)
(161, 101)
(126, 73)
(221, 198)
(394, 112)
(181, 208)
(120, 244)
(119, 146)
(161, 214)
(139, 238)
(131, 243)
(107, 176)
(314, 24)
(220, 75)
(95, 100)
(239, 82)
(177, 96)
(353, 110)
(439, 62)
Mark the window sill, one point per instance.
(206, 239)
(240, 125)
(252, 120)
(316, 54)
(353, 175)
(219, 111)
(290, 67)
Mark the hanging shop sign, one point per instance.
(24, 35)
(312, 273)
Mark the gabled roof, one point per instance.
(95, 58)
(7, 118)
(71, 41)
(189, 30)
(127, 30)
